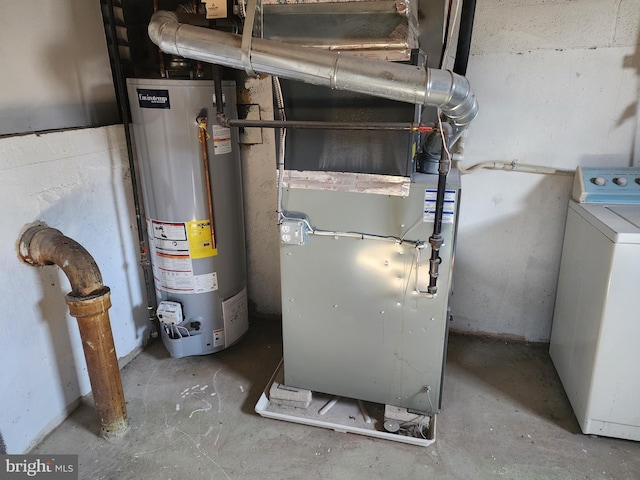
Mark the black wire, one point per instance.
(446, 33)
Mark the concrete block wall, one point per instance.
(78, 182)
(557, 82)
(558, 85)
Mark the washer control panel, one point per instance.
(607, 185)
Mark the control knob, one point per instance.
(620, 181)
(600, 181)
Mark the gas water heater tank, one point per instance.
(199, 263)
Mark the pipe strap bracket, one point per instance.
(247, 35)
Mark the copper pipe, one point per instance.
(202, 125)
(88, 301)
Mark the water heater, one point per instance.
(192, 188)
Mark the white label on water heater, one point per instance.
(172, 262)
(206, 283)
(218, 337)
(448, 210)
(221, 140)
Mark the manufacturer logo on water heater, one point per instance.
(148, 98)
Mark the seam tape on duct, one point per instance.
(173, 246)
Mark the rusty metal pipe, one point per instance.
(89, 302)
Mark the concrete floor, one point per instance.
(504, 415)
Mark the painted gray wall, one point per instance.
(55, 67)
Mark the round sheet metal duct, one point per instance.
(446, 90)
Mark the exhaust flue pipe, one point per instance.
(405, 83)
(89, 301)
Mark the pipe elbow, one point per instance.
(41, 245)
(462, 108)
(452, 93)
(159, 20)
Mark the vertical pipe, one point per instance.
(217, 87)
(436, 240)
(202, 125)
(102, 364)
(89, 301)
(465, 33)
(123, 102)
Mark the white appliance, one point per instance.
(596, 324)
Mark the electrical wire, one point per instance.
(417, 264)
(447, 27)
(412, 227)
(364, 236)
(282, 137)
(444, 142)
(178, 327)
(359, 235)
(416, 426)
(451, 29)
(427, 390)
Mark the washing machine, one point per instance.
(596, 326)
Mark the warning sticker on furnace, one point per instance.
(448, 210)
(201, 244)
(221, 140)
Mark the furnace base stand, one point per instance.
(344, 415)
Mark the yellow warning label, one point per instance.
(200, 243)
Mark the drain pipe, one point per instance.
(405, 83)
(88, 301)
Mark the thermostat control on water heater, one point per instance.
(170, 313)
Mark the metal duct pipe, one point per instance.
(89, 301)
(437, 88)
